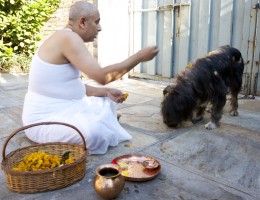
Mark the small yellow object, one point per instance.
(69, 160)
(125, 173)
(123, 164)
(39, 161)
(125, 96)
(189, 65)
(127, 145)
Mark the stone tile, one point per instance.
(11, 120)
(145, 91)
(13, 82)
(145, 124)
(7, 101)
(17, 95)
(250, 120)
(147, 119)
(134, 99)
(156, 102)
(246, 104)
(6, 126)
(176, 183)
(141, 110)
(227, 155)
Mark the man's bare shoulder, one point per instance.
(53, 49)
(66, 37)
(62, 39)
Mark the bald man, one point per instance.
(57, 93)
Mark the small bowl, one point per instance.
(150, 164)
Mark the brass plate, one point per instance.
(133, 168)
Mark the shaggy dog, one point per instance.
(206, 80)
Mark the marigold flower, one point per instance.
(39, 161)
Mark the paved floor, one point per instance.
(220, 164)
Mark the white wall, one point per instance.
(113, 40)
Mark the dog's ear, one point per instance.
(169, 89)
(166, 90)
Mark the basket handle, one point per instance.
(38, 124)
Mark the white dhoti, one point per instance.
(95, 117)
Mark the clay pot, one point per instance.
(109, 182)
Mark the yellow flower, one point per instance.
(125, 173)
(40, 160)
(69, 160)
(123, 165)
(125, 96)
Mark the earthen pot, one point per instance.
(109, 182)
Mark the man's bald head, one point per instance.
(81, 9)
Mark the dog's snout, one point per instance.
(170, 124)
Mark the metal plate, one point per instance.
(133, 168)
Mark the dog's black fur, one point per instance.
(206, 80)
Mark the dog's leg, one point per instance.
(234, 105)
(198, 114)
(234, 101)
(215, 117)
(208, 107)
(216, 112)
(235, 86)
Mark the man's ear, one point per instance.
(82, 22)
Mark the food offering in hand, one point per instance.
(125, 96)
(42, 161)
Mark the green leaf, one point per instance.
(9, 51)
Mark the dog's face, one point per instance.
(170, 107)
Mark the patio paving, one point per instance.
(220, 164)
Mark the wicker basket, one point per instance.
(44, 180)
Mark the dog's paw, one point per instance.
(233, 113)
(211, 125)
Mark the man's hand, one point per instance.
(115, 95)
(148, 53)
